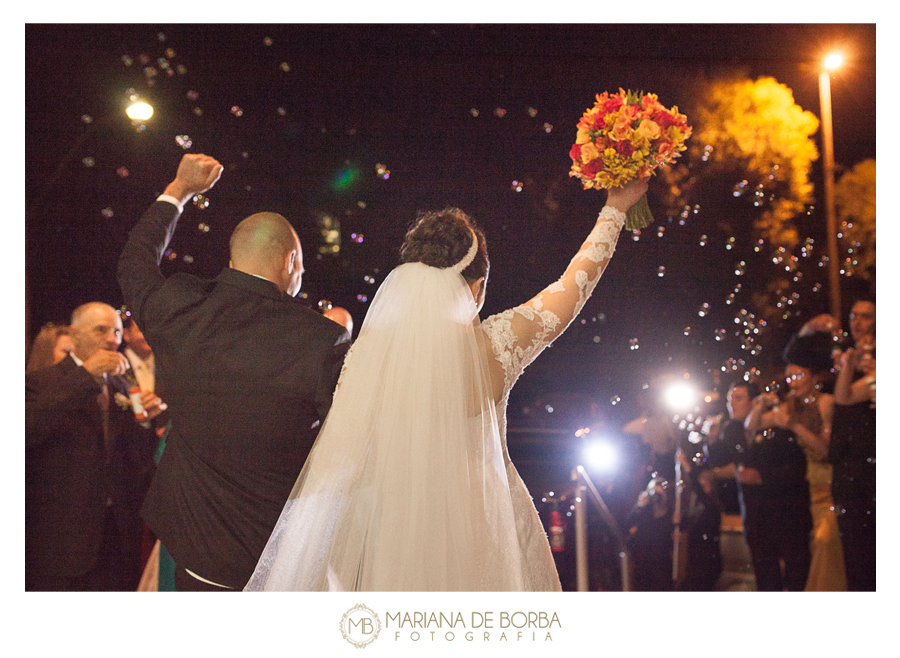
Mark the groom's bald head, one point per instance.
(266, 245)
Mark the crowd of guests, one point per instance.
(795, 460)
(797, 464)
(91, 451)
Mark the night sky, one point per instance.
(368, 124)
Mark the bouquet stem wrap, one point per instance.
(639, 215)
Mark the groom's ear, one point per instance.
(291, 261)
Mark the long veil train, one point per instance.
(405, 488)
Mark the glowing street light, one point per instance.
(833, 61)
(139, 111)
(830, 63)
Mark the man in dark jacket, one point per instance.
(249, 374)
(88, 463)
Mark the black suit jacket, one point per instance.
(250, 373)
(72, 480)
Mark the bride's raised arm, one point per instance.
(519, 334)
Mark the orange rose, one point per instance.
(583, 136)
(589, 152)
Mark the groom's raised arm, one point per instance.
(138, 269)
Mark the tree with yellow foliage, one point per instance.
(753, 130)
(854, 202)
(747, 176)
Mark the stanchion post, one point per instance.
(581, 550)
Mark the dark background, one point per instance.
(402, 96)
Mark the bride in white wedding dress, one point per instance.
(409, 486)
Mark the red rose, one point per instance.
(591, 168)
(612, 104)
(664, 119)
(575, 152)
(624, 148)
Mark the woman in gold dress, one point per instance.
(807, 412)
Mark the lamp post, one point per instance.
(830, 63)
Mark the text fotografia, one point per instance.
(478, 626)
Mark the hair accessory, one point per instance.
(469, 257)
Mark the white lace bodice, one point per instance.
(518, 335)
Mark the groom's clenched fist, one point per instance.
(196, 174)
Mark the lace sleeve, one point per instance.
(519, 334)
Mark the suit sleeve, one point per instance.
(330, 371)
(138, 269)
(51, 395)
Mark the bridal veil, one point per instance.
(405, 488)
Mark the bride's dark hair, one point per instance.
(442, 239)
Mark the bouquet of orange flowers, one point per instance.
(626, 136)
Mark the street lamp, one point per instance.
(139, 111)
(829, 64)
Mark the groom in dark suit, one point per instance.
(249, 374)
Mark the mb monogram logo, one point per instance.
(360, 626)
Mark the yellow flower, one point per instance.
(648, 129)
(589, 152)
(583, 136)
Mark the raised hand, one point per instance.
(106, 361)
(196, 174)
(622, 198)
(849, 359)
(780, 417)
(152, 404)
(749, 476)
(823, 322)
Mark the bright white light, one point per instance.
(601, 455)
(139, 111)
(680, 396)
(833, 61)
